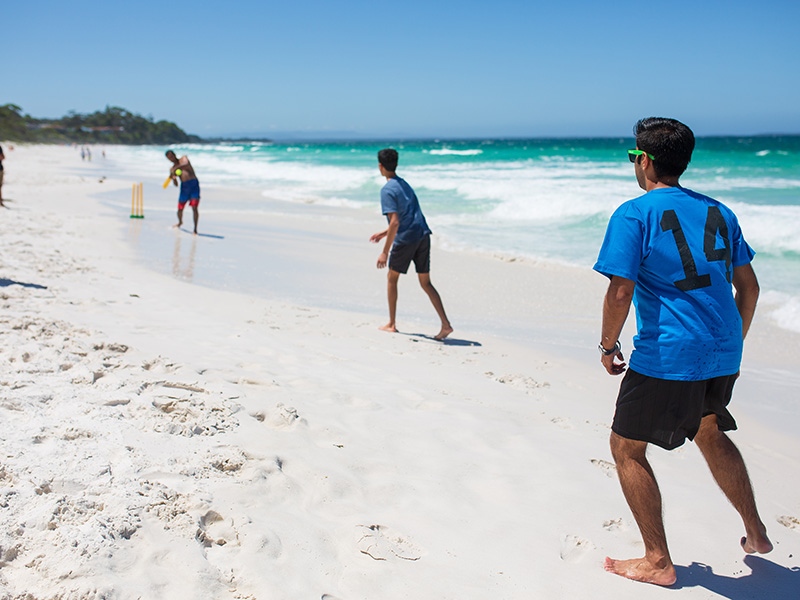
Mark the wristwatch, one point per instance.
(611, 351)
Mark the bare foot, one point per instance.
(389, 327)
(447, 330)
(640, 569)
(177, 226)
(759, 544)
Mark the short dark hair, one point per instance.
(669, 141)
(388, 158)
(168, 152)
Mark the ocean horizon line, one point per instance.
(388, 139)
(441, 139)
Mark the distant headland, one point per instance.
(114, 125)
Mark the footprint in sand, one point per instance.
(213, 530)
(573, 548)
(521, 382)
(282, 417)
(613, 524)
(159, 365)
(9, 554)
(790, 522)
(188, 410)
(608, 468)
(230, 464)
(170, 507)
(381, 543)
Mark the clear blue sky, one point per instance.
(412, 67)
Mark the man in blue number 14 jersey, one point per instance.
(679, 256)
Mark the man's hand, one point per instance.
(616, 305)
(383, 258)
(610, 364)
(377, 237)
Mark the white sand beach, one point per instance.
(163, 439)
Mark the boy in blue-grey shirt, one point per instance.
(407, 239)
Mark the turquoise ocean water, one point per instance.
(545, 199)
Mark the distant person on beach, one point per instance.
(407, 239)
(2, 158)
(190, 187)
(679, 256)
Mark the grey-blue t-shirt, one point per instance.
(398, 197)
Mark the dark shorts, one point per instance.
(402, 254)
(665, 412)
(190, 192)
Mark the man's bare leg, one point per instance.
(436, 300)
(196, 215)
(180, 218)
(730, 473)
(391, 292)
(644, 498)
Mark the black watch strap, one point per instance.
(607, 352)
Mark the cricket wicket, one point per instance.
(137, 201)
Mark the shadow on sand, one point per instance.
(765, 580)
(446, 341)
(208, 235)
(8, 282)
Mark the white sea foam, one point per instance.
(773, 229)
(783, 308)
(723, 182)
(451, 152)
(530, 191)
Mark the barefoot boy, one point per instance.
(406, 239)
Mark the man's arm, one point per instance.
(747, 290)
(185, 166)
(616, 305)
(388, 234)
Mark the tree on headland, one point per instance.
(114, 125)
(12, 123)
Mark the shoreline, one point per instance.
(166, 439)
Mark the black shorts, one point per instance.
(402, 254)
(665, 412)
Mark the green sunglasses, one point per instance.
(632, 154)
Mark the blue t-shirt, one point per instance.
(680, 248)
(398, 197)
